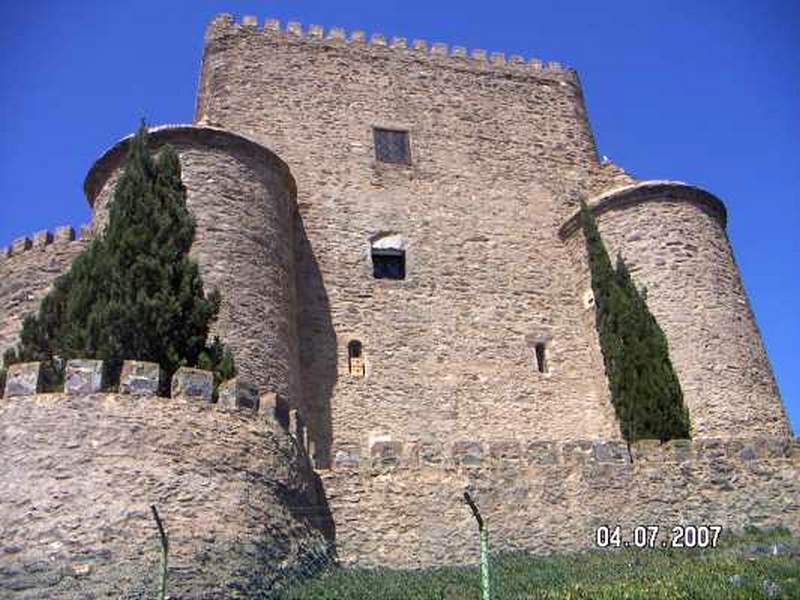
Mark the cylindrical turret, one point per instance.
(673, 238)
(243, 199)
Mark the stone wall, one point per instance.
(672, 236)
(401, 503)
(451, 347)
(242, 197)
(27, 270)
(236, 493)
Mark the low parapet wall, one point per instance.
(238, 498)
(401, 503)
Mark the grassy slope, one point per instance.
(742, 567)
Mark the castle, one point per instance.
(393, 228)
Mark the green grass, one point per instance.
(741, 567)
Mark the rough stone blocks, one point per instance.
(83, 376)
(20, 245)
(139, 378)
(22, 380)
(467, 453)
(236, 394)
(386, 452)
(192, 384)
(268, 405)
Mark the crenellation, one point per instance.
(377, 39)
(20, 245)
(406, 372)
(439, 49)
(479, 54)
(41, 239)
(294, 28)
(337, 34)
(272, 25)
(65, 233)
(358, 38)
(498, 59)
(250, 21)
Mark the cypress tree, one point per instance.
(134, 292)
(644, 388)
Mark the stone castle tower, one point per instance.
(393, 228)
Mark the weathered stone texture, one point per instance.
(446, 348)
(79, 474)
(415, 514)
(192, 384)
(242, 197)
(83, 376)
(22, 379)
(451, 395)
(139, 378)
(673, 238)
(25, 276)
(236, 394)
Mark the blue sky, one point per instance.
(704, 92)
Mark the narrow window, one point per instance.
(391, 146)
(541, 365)
(355, 358)
(388, 263)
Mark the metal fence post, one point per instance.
(484, 537)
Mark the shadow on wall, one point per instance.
(318, 353)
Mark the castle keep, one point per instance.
(393, 228)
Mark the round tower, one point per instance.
(672, 236)
(243, 199)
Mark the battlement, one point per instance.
(387, 454)
(438, 51)
(140, 378)
(41, 240)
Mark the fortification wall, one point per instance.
(451, 347)
(402, 503)
(27, 270)
(673, 238)
(242, 197)
(235, 492)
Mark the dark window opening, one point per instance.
(355, 358)
(540, 357)
(391, 146)
(388, 263)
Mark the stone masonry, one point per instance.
(479, 369)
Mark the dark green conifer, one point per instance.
(644, 388)
(134, 292)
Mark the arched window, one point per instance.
(355, 358)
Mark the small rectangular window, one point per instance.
(388, 263)
(391, 146)
(540, 357)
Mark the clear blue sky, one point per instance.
(704, 92)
